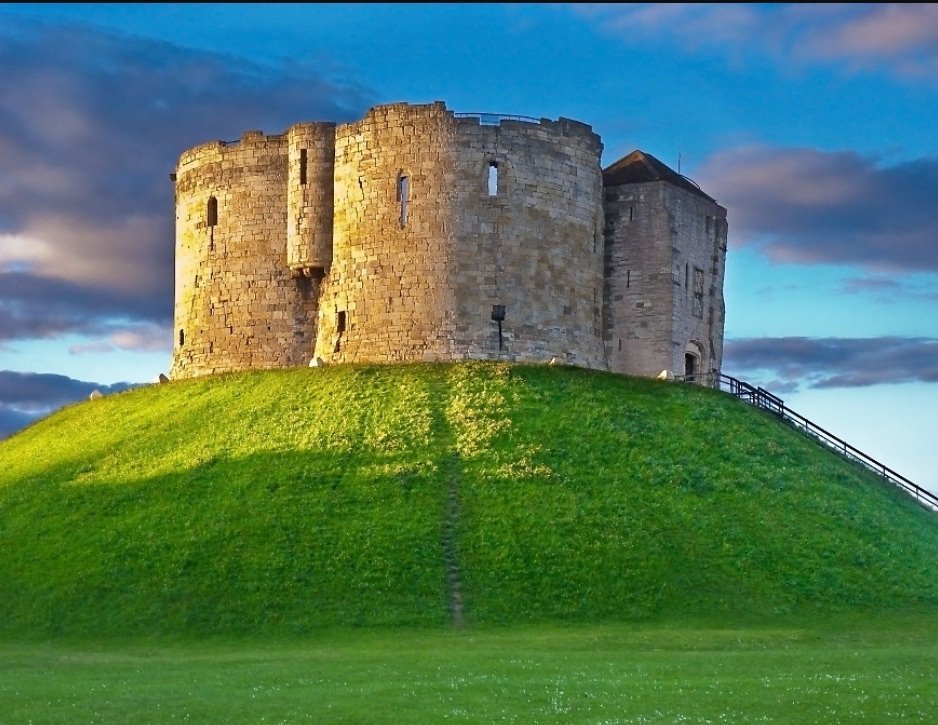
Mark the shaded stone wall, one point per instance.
(698, 241)
(529, 231)
(639, 293)
(237, 306)
(665, 260)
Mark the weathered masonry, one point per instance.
(422, 234)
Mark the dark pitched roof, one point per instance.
(639, 167)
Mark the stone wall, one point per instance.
(424, 287)
(310, 166)
(665, 256)
(237, 306)
(532, 243)
(639, 294)
(388, 295)
(698, 242)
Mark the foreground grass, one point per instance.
(840, 670)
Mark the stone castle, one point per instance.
(419, 234)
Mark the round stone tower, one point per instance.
(388, 295)
(530, 240)
(237, 304)
(464, 236)
(311, 161)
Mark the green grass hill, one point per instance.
(419, 495)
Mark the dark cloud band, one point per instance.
(833, 362)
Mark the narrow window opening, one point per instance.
(498, 315)
(403, 196)
(620, 344)
(493, 178)
(628, 277)
(303, 167)
(631, 213)
(182, 338)
(340, 330)
(698, 292)
(709, 219)
(211, 212)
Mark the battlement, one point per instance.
(417, 233)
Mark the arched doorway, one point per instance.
(694, 370)
(691, 367)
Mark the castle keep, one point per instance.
(422, 234)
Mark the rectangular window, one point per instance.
(211, 212)
(698, 292)
(493, 178)
(403, 196)
(303, 167)
(340, 322)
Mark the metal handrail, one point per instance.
(493, 119)
(763, 399)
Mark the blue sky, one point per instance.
(814, 125)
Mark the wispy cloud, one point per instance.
(91, 125)
(809, 206)
(899, 38)
(833, 362)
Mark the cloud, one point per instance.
(899, 38)
(26, 397)
(91, 125)
(43, 391)
(12, 420)
(808, 206)
(902, 36)
(133, 338)
(36, 307)
(833, 362)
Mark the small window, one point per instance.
(698, 292)
(403, 196)
(211, 212)
(340, 322)
(303, 167)
(182, 338)
(493, 178)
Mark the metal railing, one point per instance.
(764, 400)
(493, 119)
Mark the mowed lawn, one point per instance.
(857, 670)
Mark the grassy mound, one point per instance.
(282, 502)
